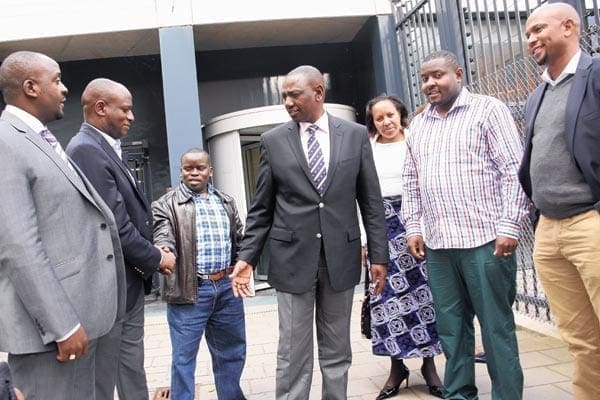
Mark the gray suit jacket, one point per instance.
(60, 256)
(289, 212)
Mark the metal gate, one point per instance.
(489, 37)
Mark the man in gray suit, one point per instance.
(61, 266)
(313, 171)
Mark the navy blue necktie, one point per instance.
(316, 161)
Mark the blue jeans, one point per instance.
(220, 315)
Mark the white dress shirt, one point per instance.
(322, 136)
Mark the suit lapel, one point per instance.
(532, 110)
(575, 98)
(293, 137)
(336, 139)
(73, 175)
(115, 159)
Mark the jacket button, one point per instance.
(147, 223)
(321, 205)
(109, 257)
(103, 226)
(318, 235)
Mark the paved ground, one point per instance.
(547, 364)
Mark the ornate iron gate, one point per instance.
(489, 37)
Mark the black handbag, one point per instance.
(365, 310)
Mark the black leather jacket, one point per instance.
(175, 227)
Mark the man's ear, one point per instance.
(319, 92)
(569, 27)
(100, 107)
(459, 73)
(30, 88)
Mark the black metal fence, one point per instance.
(489, 36)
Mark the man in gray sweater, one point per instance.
(560, 172)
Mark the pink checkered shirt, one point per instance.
(460, 174)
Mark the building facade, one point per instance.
(191, 65)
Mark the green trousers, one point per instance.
(468, 282)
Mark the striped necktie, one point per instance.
(51, 139)
(316, 161)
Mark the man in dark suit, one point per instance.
(313, 171)
(61, 266)
(560, 172)
(107, 111)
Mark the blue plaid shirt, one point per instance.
(213, 243)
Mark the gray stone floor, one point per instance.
(546, 362)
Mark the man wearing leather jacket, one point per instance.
(201, 225)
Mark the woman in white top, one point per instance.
(402, 316)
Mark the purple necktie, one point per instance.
(51, 139)
(316, 161)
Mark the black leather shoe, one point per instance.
(436, 391)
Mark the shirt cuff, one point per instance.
(69, 334)
(413, 229)
(509, 228)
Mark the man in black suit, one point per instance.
(313, 171)
(107, 111)
(560, 172)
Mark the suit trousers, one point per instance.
(41, 377)
(120, 358)
(295, 350)
(567, 260)
(465, 283)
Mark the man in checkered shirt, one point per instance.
(201, 225)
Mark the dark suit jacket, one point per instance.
(111, 179)
(582, 124)
(60, 257)
(288, 211)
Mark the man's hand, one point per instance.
(505, 246)
(378, 275)
(416, 246)
(167, 261)
(240, 279)
(74, 347)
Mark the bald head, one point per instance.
(557, 11)
(107, 105)
(32, 82)
(552, 32)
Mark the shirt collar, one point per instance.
(109, 139)
(322, 123)
(29, 120)
(570, 69)
(463, 100)
(209, 186)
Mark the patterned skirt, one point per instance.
(402, 316)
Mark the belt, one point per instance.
(217, 276)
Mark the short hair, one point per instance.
(15, 69)
(308, 71)
(398, 104)
(195, 150)
(449, 58)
